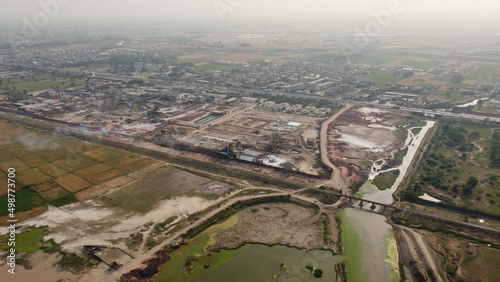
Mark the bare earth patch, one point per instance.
(275, 223)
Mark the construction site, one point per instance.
(362, 138)
(249, 134)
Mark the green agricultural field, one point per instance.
(424, 65)
(376, 61)
(216, 67)
(381, 78)
(26, 199)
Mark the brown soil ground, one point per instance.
(356, 123)
(432, 257)
(277, 223)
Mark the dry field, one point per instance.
(278, 223)
(142, 196)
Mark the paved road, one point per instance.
(450, 114)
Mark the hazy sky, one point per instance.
(14, 11)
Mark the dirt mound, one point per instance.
(151, 268)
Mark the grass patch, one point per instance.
(399, 156)
(28, 241)
(165, 183)
(386, 179)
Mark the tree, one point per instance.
(472, 182)
(457, 79)
(25, 91)
(480, 103)
(464, 156)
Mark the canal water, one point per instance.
(370, 250)
(262, 263)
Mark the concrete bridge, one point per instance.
(421, 214)
(374, 204)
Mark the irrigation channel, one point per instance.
(370, 251)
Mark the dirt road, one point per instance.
(337, 180)
(413, 248)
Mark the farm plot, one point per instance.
(90, 171)
(14, 163)
(72, 183)
(102, 154)
(32, 176)
(51, 168)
